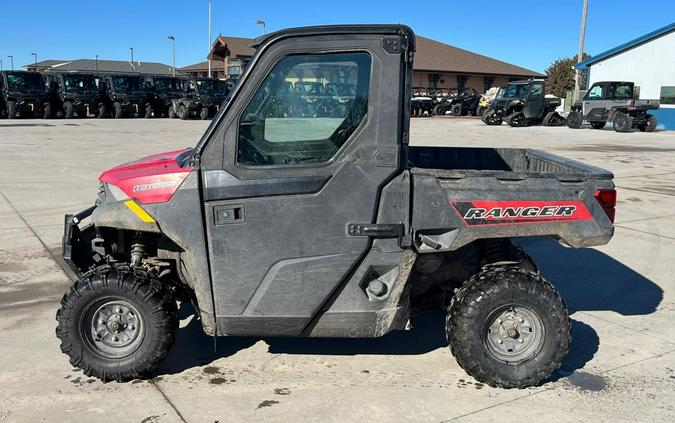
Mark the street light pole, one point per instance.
(207, 57)
(580, 55)
(97, 64)
(263, 23)
(35, 56)
(1, 64)
(132, 55)
(11, 58)
(173, 40)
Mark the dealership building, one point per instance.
(649, 62)
(437, 65)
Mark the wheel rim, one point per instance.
(112, 327)
(514, 334)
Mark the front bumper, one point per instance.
(76, 243)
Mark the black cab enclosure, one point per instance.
(72, 94)
(328, 223)
(22, 95)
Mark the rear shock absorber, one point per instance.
(138, 252)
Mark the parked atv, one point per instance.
(465, 103)
(165, 89)
(72, 94)
(201, 98)
(524, 103)
(125, 96)
(612, 101)
(23, 95)
(275, 225)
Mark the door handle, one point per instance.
(226, 215)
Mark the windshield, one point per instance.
(24, 81)
(211, 86)
(168, 84)
(500, 92)
(128, 83)
(516, 90)
(79, 82)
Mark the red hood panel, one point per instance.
(152, 179)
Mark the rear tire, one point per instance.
(11, 110)
(47, 111)
(439, 110)
(649, 125)
(117, 324)
(497, 309)
(622, 122)
(102, 111)
(553, 119)
(456, 110)
(183, 113)
(148, 111)
(68, 110)
(574, 119)
(172, 112)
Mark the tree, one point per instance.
(561, 76)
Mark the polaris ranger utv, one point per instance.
(524, 103)
(23, 95)
(615, 102)
(125, 96)
(72, 94)
(165, 89)
(277, 225)
(202, 98)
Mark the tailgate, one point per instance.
(545, 195)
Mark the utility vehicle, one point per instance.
(23, 95)
(524, 103)
(612, 101)
(165, 89)
(277, 225)
(462, 104)
(72, 94)
(201, 98)
(125, 96)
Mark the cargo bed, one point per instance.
(464, 194)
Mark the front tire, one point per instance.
(117, 324)
(456, 110)
(508, 327)
(11, 110)
(148, 111)
(118, 112)
(204, 113)
(622, 122)
(574, 119)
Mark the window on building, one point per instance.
(234, 70)
(234, 61)
(285, 123)
(667, 95)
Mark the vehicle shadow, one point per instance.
(588, 280)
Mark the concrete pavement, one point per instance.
(621, 365)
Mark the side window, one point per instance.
(305, 109)
(537, 90)
(596, 92)
(620, 90)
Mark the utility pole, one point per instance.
(11, 58)
(97, 64)
(263, 23)
(580, 55)
(207, 57)
(173, 40)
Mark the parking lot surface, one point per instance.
(621, 365)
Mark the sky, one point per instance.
(527, 33)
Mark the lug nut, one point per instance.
(521, 320)
(520, 340)
(499, 341)
(499, 320)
